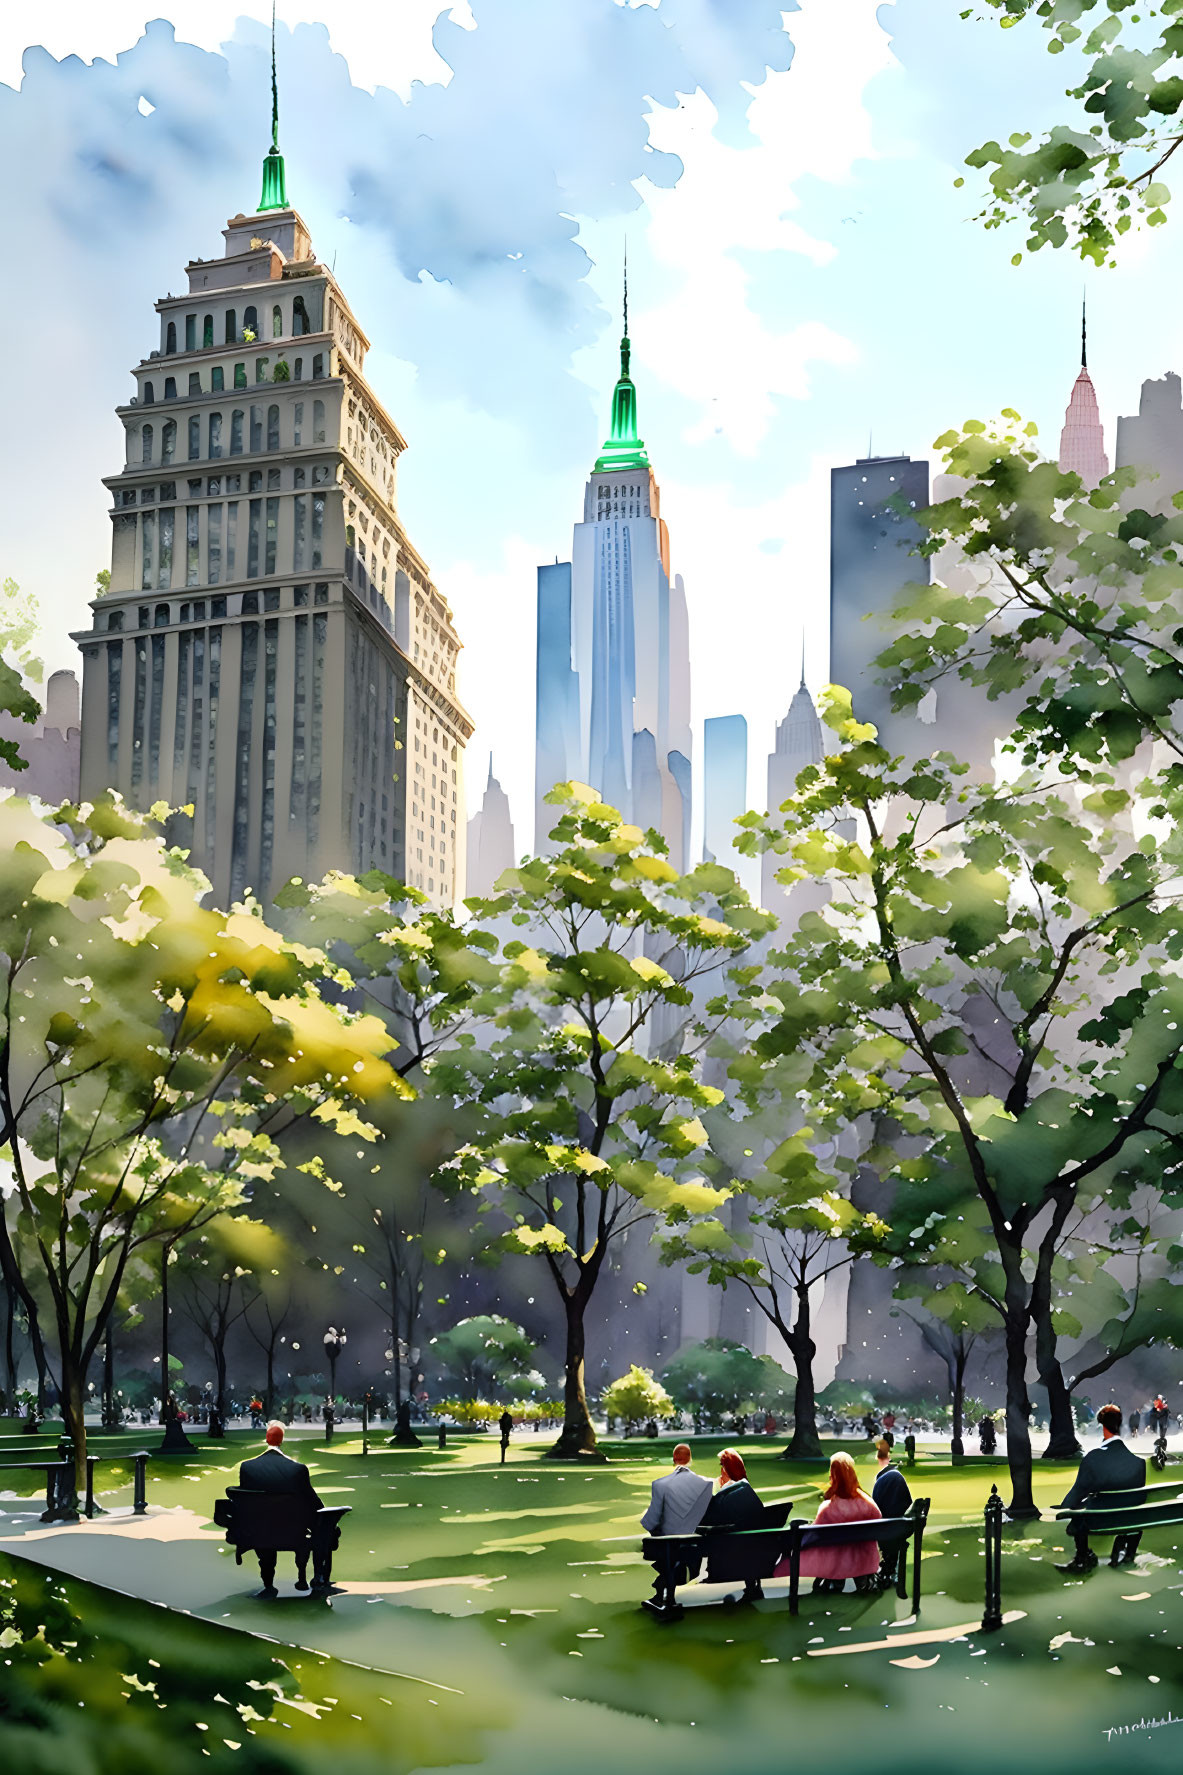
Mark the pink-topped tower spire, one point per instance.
(1082, 441)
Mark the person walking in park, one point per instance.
(844, 1500)
(1160, 1416)
(677, 1500)
(1135, 1420)
(505, 1425)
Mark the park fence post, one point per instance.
(992, 1616)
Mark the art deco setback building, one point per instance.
(1082, 440)
(799, 743)
(613, 706)
(272, 652)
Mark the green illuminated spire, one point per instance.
(275, 188)
(623, 448)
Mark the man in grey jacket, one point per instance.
(678, 1500)
(1112, 1467)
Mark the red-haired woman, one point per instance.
(844, 1500)
(735, 1504)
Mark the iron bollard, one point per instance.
(92, 1509)
(140, 1505)
(365, 1426)
(992, 1617)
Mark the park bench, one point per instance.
(750, 1555)
(1120, 1513)
(61, 1505)
(268, 1523)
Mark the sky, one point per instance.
(805, 281)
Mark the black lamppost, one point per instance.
(334, 1342)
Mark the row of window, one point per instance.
(250, 326)
(159, 541)
(264, 372)
(216, 485)
(247, 430)
(159, 616)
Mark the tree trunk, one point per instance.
(1018, 1402)
(219, 1348)
(108, 1410)
(1062, 1442)
(73, 1406)
(10, 1375)
(269, 1396)
(165, 1387)
(957, 1367)
(806, 1443)
(577, 1438)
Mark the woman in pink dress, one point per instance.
(844, 1500)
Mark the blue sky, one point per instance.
(804, 276)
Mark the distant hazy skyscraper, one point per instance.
(799, 743)
(613, 662)
(1152, 440)
(50, 747)
(1082, 441)
(490, 839)
(871, 560)
(725, 791)
(272, 650)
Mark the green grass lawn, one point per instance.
(545, 1661)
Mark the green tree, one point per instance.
(150, 1050)
(19, 666)
(480, 1355)
(583, 1130)
(997, 973)
(636, 1397)
(720, 1378)
(951, 1317)
(218, 1272)
(1085, 183)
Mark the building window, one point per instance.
(231, 326)
(236, 432)
(299, 599)
(213, 545)
(300, 523)
(271, 598)
(164, 576)
(137, 730)
(217, 379)
(170, 338)
(320, 624)
(194, 382)
(318, 527)
(297, 424)
(318, 366)
(190, 332)
(240, 831)
(320, 594)
(250, 604)
(273, 428)
(160, 617)
(261, 364)
(231, 540)
(300, 323)
(273, 479)
(252, 539)
(255, 481)
(298, 372)
(318, 422)
(114, 685)
(170, 388)
(149, 394)
(215, 435)
(211, 780)
(240, 375)
(168, 440)
(272, 536)
(277, 322)
(207, 331)
(146, 455)
(299, 714)
(196, 735)
(181, 717)
(256, 430)
(250, 321)
(299, 478)
(191, 546)
(157, 704)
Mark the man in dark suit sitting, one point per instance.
(274, 1471)
(1112, 1467)
(891, 1493)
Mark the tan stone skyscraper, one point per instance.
(271, 651)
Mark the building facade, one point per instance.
(1151, 441)
(798, 744)
(613, 706)
(1082, 440)
(272, 654)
